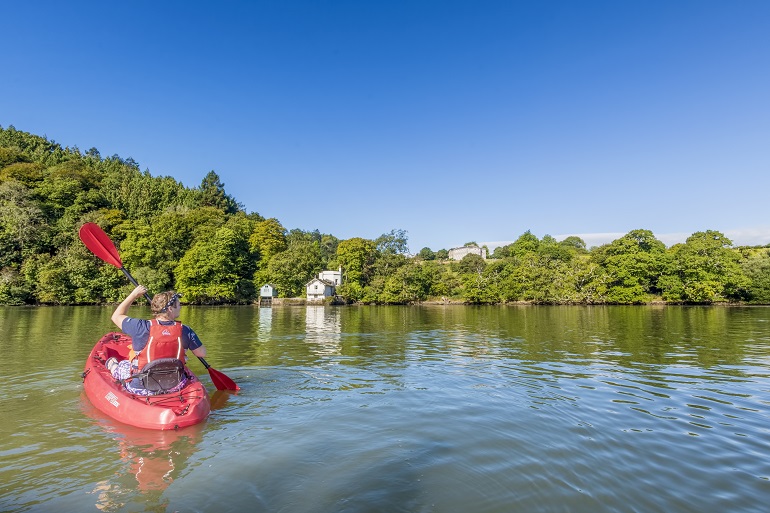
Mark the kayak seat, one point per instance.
(161, 375)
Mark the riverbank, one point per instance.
(299, 301)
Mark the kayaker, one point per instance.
(169, 338)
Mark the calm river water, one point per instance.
(407, 409)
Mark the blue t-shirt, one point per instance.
(139, 331)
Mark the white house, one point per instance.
(318, 289)
(459, 253)
(333, 277)
(324, 285)
(268, 290)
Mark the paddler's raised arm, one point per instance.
(121, 311)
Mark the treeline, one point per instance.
(201, 242)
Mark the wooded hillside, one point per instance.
(201, 242)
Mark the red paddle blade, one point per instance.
(221, 381)
(100, 244)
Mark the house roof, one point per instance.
(466, 247)
(325, 282)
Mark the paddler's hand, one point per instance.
(140, 290)
(120, 312)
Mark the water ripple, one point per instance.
(419, 410)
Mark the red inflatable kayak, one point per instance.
(174, 410)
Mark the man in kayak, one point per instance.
(162, 337)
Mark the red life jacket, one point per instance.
(164, 342)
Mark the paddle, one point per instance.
(102, 246)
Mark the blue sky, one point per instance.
(456, 121)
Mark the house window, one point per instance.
(316, 287)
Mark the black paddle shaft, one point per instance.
(135, 283)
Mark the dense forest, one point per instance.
(201, 242)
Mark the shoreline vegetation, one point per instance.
(289, 302)
(201, 242)
(299, 301)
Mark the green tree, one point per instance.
(427, 254)
(526, 243)
(409, 284)
(386, 264)
(268, 239)
(329, 244)
(139, 194)
(216, 270)
(292, 269)
(22, 223)
(10, 156)
(73, 276)
(576, 243)
(541, 271)
(442, 282)
(53, 284)
(470, 264)
(204, 222)
(13, 288)
(212, 194)
(64, 184)
(471, 274)
(757, 270)
(33, 147)
(29, 174)
(393, 242)
(703, 270)
(633, 264)
(153, 249)
(90, 280)
(357, 257)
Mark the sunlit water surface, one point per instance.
(413, 409)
